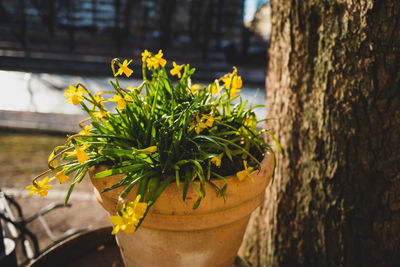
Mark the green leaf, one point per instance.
(123, 181)
(161, 188)
(126, 169)
(197, 203)
(208, 138)
(77, 179)
(276, 142)
(151, 187)
(142, 186)
(228, 152)
(185, 188)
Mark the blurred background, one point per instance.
(208, 33)
(45, 45)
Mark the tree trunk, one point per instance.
(334, 84)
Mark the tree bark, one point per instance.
(334, 84)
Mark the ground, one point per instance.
(22, 156)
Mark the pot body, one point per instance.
(173, 234)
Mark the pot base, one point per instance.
(210, 247)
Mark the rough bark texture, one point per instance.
(334, 83)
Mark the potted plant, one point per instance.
(177, 163)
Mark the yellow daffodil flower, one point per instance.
(251, 123)
(121, 104)
(128, 218)
(155, 61)
(234, 92)
(214, 89)
(195, 87)
(128, 98)
(237, 82)
(145, 55)
(245, 173)
(40, 187)
(176, 70)
(206, 120)
(159, 58)
(74, 95)
(227, 81)
(101, 115)
(209, 120)
(152, 62)
(85, 130)
(149, 150)
(235, 85)
(99, 101)
(191, 126)
(80, 153)
(123, 68)
(232, 82)
(217, 160)
(52, 162)
(61, 176)
(200, 127)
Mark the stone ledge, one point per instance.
(40, 122)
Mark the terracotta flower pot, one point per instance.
(173, 234)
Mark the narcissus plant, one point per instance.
(164, 131)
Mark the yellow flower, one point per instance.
(237, 82)
(99, 101)
(62, 178)
(145, 54)
(191, 126)
(206, 120)
(52, 161)
(128, 218)
(74, 95)
(149, 150)
(40, 187)
(152, 62)
(250, 122)
(155, 61)
(123, 68)
(128, 98)
(232, 82)
(235, 85)
(216, 160)
(85, 130)
(245, 173)
(195, 87)
(176, 70)
(121, 104)
(214, 89)
(227, 81)
(209, 120)
(200, 127)
(233, 92)
(80, 153)
(101, 115)
(159, 58)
